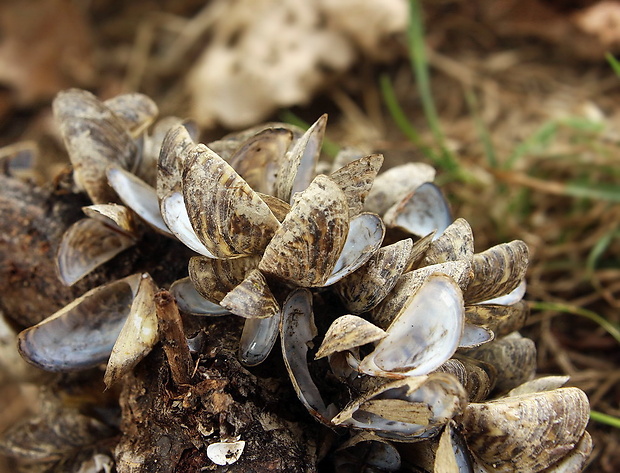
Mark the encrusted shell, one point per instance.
(526, 433)
(229, 218)
(306, 247)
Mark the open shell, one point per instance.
(258, 338)
(390, 186)
(408, 409)
(86, 245)
(424, 334)
(421, 212)
(228, 217)
(190, 301)
(82, 334)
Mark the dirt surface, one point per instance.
(526, 102)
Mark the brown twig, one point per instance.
(173, 338)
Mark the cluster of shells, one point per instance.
(363, 277)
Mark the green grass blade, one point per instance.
(598, 191)
(598, 249)
(605, 419)
(610, 328)
(399, 117)
(483, 132)
(615, 64)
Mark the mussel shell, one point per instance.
(421, 212)
(258, 159)
(86, 245)
(408, 409)
(298, 166)
(366, 453)
(455, 243)
(364, 289)
(390, 186)
(306, 247)
(191, 302)
(95, 138)
(423, 335)
(501, 319)
(214, 278)
(348, 332)
(296, 331)
(82, 334)
(252, 298)
(139, 197)
(228, 217)
(138, 335)
(513, 356)
(478, 378)
(497, 271)
(356, 179)
(135, 111)
(173, 154)
(452, 454)
(526, 433)
(365, 235)
(258, 338)
(113, 215)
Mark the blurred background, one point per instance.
(515, 103)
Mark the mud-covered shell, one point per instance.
(228, 217)
(348, 332)
(390, 186)
(362, 290)
(497, 271)
(95, 138)
(252, 298)
(82, 334)
(86, 245)
(306, 247)
(408, 409)
(526, 433)
(356, 179)
(214, 278)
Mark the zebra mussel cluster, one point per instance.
(362, 276)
